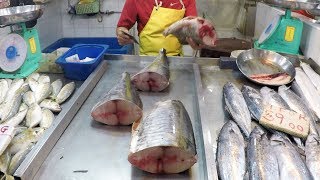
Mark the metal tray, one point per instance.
(91, 150)
(31, 164)
(294, 4)
(19, 14)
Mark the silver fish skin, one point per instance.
(56, 87)
(22, 107)
(297, 104)
(199, 29)
(163, 142)
(262, 164)
(313, 155)
(271, 97)
(23, 140)
(14, 87)
(313, 76)
(47, 118)
(307, 91)
(254, 101)
(16, 119)
(29, 98)
(42, 92)
(237, 108)
(290, 164)
(65, 92)
(11, 107)
(34, 76)
(154, 77)
(51, 105)
(34, 116)
(33, 84)
(120, 106)
(231, 152)
(4, 87)
(44, 79)
(9, 82)
(18, 158)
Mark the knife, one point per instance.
(130, 36)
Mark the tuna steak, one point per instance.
(154, 77)
(163, 141)
(200, 30)
(120, 106)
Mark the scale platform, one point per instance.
(20, 51)
(283, 34)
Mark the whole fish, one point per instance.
(24, 88)
(5, 161)
(23, 140)
(34, 116)
(200, 30)
(254, 101)
(18, 158)
(313, 76)
(29, 98)
(271, 97)
(154, 77)
(304, 87)
(34, 76)
(56, 87)
(51, 105)
(290, 164)
(33, 84)
(42, 92)
(14, 87)
(65, 92)
(11, 107)
(9, 82)
(231, 152)
(47, 118)
(313, 155)
(262, 163)
(296, 104)
(4, 87)
(237, 108)
(120, 106)
(22, 107)
(163, 142)
(16, 119)
(44, 79)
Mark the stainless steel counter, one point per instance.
(90, 150)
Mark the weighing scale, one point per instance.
(20, 51)
(283, 34)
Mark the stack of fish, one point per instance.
(29, 106)
(163, 141)
(264, 153)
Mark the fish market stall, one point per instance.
(88, 149)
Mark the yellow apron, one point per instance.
(151, 38)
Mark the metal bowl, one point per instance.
(294, 4)
(257, 62)
(19, 14)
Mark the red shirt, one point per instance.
(140, 10)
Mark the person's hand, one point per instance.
(194, 45)
(122, 38)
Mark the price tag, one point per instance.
(285, 120)
(6, 130)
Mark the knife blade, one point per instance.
(130, 36)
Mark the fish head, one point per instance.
(207, 32)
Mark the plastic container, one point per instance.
(114, 47)
(80, 71)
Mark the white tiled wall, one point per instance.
(88, 26)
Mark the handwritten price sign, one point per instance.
(285, 120)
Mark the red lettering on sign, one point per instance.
(301, 116)
(4, 129)
(292, 125)
(280, 116)
(300, 128)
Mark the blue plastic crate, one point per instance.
(112, 42)
(80, 71)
